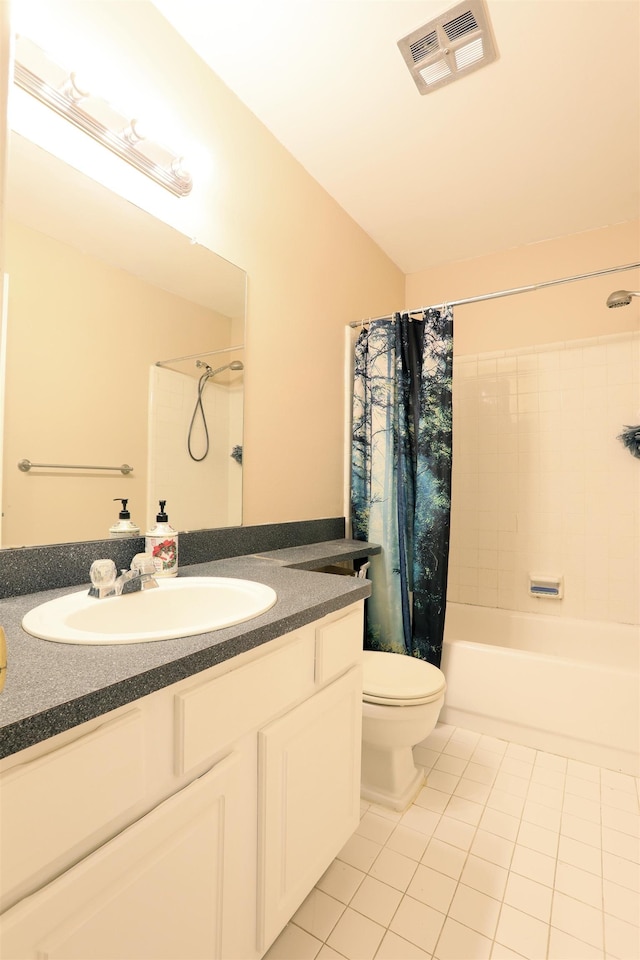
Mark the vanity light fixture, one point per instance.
(63, 91)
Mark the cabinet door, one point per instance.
(153, 892)
(308, 797)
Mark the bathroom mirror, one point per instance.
(99, 293)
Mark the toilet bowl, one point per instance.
(401, 701)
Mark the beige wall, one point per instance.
(565, 312)
(82, 336)
(310, 268)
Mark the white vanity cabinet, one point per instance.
(194, 822)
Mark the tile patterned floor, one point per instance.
(507, 852)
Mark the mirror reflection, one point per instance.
(124, 346)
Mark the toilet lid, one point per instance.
(392, 678)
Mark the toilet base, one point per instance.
(390, 778)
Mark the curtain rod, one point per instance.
(503, 293)
(203, 353)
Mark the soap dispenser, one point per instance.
(124, 527)
(162, 543)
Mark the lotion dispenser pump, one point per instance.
(161, 542)
(124, 527)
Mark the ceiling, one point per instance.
(542, 143)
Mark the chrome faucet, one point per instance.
(104, 582)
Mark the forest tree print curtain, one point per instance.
(401, 477)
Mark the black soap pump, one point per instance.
(124, 527)
(161, 542)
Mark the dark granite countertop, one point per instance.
(52, 687)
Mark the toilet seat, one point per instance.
(393, 679)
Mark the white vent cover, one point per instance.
(447, 48)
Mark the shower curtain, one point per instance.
(401, 477)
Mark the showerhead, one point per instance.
(621, 298)
(234, 365)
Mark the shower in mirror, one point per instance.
(235, 365)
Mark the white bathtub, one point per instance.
(570, 687)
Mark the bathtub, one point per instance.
(569, 687)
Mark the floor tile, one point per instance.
(455, 832)
(579, 854)
(476, 910)
(394, 947)
(621, 939)
(586, 831)
(621, 844)
(341, 881)
(328, 953)
(442, 780)
(624, 872)
(583, 808)
(502, 824)
(376, 900)
(445, 858)
(550, 761)
(487, 877)
(589, 789)
(294, 944)
(458, 942)
(526, 935)
(621, 820)
(418, 923)
(621, 902)
(394, 868)
(507, 853)
(448, 764)
(538, 838)
(619, 799)
(500, 952)
(480, 772)
(506, 802)
(355, 936)
(318, 914)
(536, 866)
(433, 888)
(579, 884)
(466, 810)
(458, 748)
(432, 799)
(578, 919)
(375, 828)
(542, 816)
(585, 771)
(410, 843)
(528, 895)
(420, 819)
(510, 784)
(489, 846)
(516, 766)
(360, 852)
(472, 790)
(564, 947)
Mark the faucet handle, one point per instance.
(143, 563)
(103, 573)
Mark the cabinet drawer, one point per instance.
(339, 645)
(53, 803)
(216, 713)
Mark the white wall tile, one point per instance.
(547, 469)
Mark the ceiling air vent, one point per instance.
(449, 47)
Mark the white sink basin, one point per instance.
(176, 608)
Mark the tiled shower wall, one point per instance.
(541, 485)
(204, 494)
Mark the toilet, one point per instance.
(401, 701)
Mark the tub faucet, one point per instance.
(104, 582)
